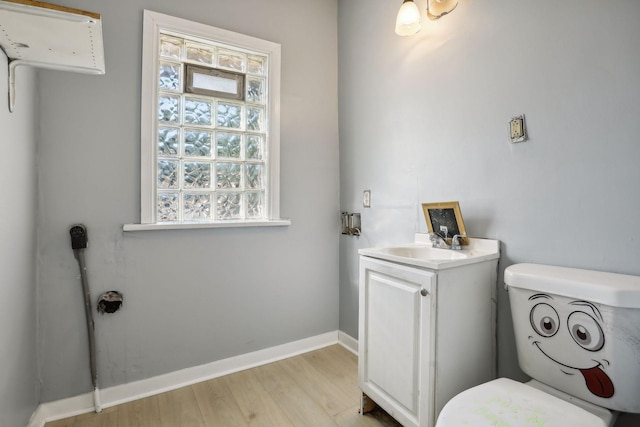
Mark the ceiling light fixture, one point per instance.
(438, 8)
(409, 22)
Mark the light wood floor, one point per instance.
(319, 388)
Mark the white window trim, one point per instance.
(153, 23)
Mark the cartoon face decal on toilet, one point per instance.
(570, 334)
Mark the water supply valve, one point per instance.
(351, 223)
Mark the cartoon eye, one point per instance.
(585, 331)
(544, 319)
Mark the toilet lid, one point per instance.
(504, 402)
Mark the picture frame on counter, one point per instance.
(445, 220)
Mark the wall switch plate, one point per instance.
(517, 129)
(366, 198)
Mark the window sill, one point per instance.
(192, 225)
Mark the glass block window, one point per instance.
(209, 156)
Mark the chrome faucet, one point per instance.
(455, 243)
(437, 241)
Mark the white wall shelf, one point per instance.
(44, 35)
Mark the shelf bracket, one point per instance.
(12, 84)
(14, 63)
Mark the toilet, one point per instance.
(577, 336)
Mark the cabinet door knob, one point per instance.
(424, 292)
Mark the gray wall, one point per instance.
(425, 119)
(192, 296)
(18, 390)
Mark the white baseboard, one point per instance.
(111, 396)
(348, 342)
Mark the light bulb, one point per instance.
(408, 21)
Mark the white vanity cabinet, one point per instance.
(425, 334)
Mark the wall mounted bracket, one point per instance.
(44, 35)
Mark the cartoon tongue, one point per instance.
(598, 382)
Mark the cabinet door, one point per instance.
(394, 337)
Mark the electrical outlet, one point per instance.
(517, 130)
(366, 198)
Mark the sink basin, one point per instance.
(424, 252)
(421, 254)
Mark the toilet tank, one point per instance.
(578, 331)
